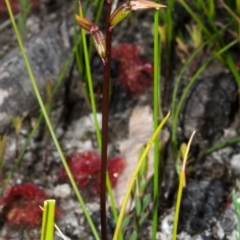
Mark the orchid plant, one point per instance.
(102, 45)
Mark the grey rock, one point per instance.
(47, 53)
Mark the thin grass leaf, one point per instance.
(238, 7)
(138, 207)
(222, 145)
(90, 85)
(195, 17)
(144, 168)
(144, 184)
(143, 218)
(156, 107)
(134, 236)
(47, 231)
(180, 189)
(126, 222)
(25, 8)
(228, 9)
(145, 201)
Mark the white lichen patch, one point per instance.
(3, 95)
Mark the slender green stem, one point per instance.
(90, 85)
(48, 122)
(156, 105)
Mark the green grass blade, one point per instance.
(156, 104)
(47, 231)
(180, 189)
(90, 85)
(195, 17)
(222, 145)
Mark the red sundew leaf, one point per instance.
(28, 214)
(135, 73)
(115, 167)
(26, 191)
(86, 168)
(21, 205)
(82, 165)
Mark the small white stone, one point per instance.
(87, 145)
(24, 131)
(3, 95)
(28, 155)
(56, 156)
(161, 236)
(235, 163)
(222, 154)
(219, 231)
(59, 132)
(62, 191)
(19, 181)
(167, 224)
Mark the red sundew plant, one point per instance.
(21, 205)
(135, 73)
(86, 167)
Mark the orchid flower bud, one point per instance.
(136, 5)
(98, 37)
(133, 5)
(119, 14)
(99, 43)
(85, 23)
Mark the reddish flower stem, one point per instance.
(105, 109)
